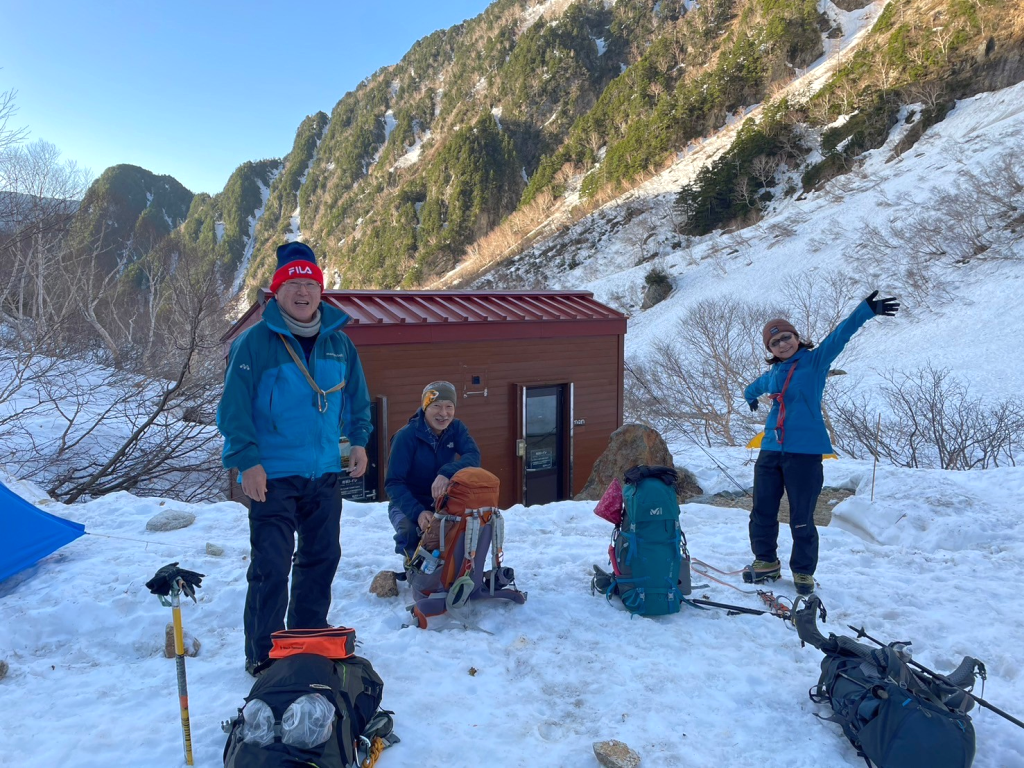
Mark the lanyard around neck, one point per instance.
(321, 395)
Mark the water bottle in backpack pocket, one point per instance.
(431, 562)
(311, 709)
(424, 571)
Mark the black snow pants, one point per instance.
(800, 476)
(311, 508)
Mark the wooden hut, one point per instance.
(538, 376)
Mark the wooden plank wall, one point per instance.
(592, 363)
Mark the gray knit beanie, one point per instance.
(438, 390)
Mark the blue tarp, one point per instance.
(27, 534)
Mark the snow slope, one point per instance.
(971, 324)
(701, 689)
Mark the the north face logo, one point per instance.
(299, 269)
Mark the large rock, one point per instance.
(192, 645)
(656, 293)
(385, 584)
(615, 754)
(4, 669)
(630, 445)
(170, 520)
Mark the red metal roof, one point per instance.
(427, 307)
(401, 317)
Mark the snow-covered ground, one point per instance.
(937, 559)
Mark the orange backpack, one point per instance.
(466, 525)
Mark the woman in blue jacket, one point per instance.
(425, 453)
(794, 441)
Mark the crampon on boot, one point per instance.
(762, 571)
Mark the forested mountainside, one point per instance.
(462, 151)
(128, 210)
(516, 109)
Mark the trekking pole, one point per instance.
(874, 469)
(179, 662)
(168, 584)
(729, 608)
(943, 679)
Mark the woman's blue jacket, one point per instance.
(803, 429)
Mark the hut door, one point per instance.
(544, 437)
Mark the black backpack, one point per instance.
(322, 712)
(895, 717)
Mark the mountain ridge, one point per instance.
(459, 152)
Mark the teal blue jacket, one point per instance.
(268, 413)
(803, 429)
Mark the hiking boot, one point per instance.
(761, 571)
(257, 668)
(804, 584)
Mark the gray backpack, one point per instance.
(893, 716)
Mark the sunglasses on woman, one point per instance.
(783, 339)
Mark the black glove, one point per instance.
(169, 575)
(753, 405)
(888, 307)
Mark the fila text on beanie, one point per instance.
(295, 261)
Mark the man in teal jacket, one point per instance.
(294, 385)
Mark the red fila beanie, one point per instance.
(295, 261)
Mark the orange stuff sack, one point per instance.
(332, 642)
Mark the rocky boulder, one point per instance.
(615, 754)
(192, 645)
(170, 520)
(630, 445)
(385, 584)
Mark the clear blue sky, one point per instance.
(193, 89)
